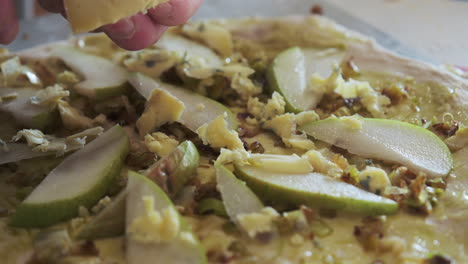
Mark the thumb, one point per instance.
(8, 22)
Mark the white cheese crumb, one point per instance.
(218, 135)
(160, 143)
(322, 164)
(352, 122)
(155, 226)
(201, 107)
(297, 240)
(374, 179)
(255, 223)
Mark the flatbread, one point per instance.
(435, 95)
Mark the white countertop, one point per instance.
(438, 28)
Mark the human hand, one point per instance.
(133, 33)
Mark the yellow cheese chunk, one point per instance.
(160, 143)
(218, 135)
(155, 226)
(161, 108)
(87, 15)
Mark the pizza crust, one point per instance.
(316, 31)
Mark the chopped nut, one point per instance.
(446, 129)
(438, 259)
(256, 147)
(316, 9)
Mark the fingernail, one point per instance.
(124, 29)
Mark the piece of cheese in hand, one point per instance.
(88, 15)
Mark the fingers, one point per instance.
(8, 22)
(54, 6)
(174, 12)
(135, 33)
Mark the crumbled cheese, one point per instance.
(195, 67)
(281, 163)
(239, 74)
(321, 164)
(218, 135)
(201, 107)
(459, 140)
(252, 121)
(33, 137)
(255, 223)
(154, 226)
(160, 143)
(206, 174)
(350, 88)
(188, 238)
(255, 107)
(244, 86)
(299, 142)
(374, 179)
(67, 78)
(275, 106)
(229, 156)
(150, 62)
(352, 122)
(71, 117)
(12, 71)
(272, 116)
(296, 240)
(101, 205)
(47, 143)
(237, 68)
(49, 95)
(306, 117)
(76, 223)
(161, 108)
(285, 126)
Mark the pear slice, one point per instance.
(19, 151)
(198, 110)
(178, 250)
(110, 222)
(287, 75)
(237, 197)
(102, 78)
(290, 71)
(80, 180)
(172, 172)
(26, 113)
(389, 140)
(190, 49)
(322, 61)
(313, 189)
